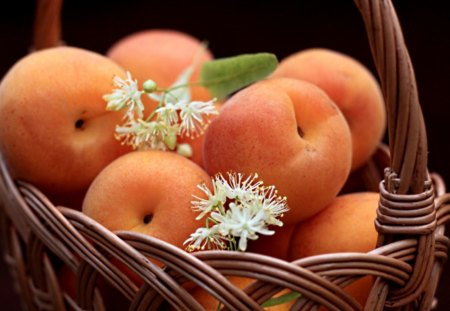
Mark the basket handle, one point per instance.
(47, 24)
(406, 127)
(406, 205)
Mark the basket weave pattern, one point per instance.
(39, 237)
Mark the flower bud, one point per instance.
(185, 150)
(149, 86)
(171, 141)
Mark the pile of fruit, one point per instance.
(302, 131)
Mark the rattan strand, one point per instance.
(407, 136)
(139, 263)
(405, 249)
(37, 237)
(47, 25)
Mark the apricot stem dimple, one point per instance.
(79, 124)
(148, 219)
(300, 132)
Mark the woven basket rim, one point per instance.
(406, 264)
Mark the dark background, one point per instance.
(281, 27)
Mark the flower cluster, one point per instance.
(175, 115)
(237, 209)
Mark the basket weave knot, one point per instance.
(405, 213)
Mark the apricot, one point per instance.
(54, 129)
(291, 134)
(346, 225)
(351, 86)
(148, 192)
(162, 55)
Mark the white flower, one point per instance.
(160, 133)
(168, 113)
(241, 207)
(175, 114)
(243, 223)
(272, 205)
(193, 116)
(215, 199)
(156, 135)
(243, 189)
(125, 95)
(127, 132)
(203, 237)
(143, 134)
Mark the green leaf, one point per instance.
(281, 299)
(227, 75)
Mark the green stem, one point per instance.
(275, 301)
(160, 104)
(233, 244)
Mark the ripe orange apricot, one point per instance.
(54, 129)
(148, 192)
(162, 55)
(291, 134)
(346, 225)
(351, 86)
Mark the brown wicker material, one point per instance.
(47, 26)
(38, 238)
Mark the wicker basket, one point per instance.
(38, 238)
